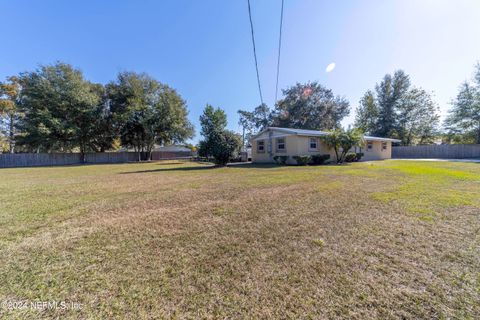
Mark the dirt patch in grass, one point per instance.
(252, 242)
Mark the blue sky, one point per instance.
(203, 48)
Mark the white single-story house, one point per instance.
(297, 142)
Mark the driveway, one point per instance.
(446, 160)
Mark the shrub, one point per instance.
(280, 159)
(222, 146)
(359, 156)
(350, 157)
(320, 158)
(302, 160)
(343, 140)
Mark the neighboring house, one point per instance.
(172, 148)
(295, 142)
(246, 154)
(171, 152)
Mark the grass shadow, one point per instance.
(254, 166)
(207, 167)
(160, 163)
(193, 168)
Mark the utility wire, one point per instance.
(279, 50)
(254, 51)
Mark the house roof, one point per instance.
(313, 133)
(370, 138)
(172, 148)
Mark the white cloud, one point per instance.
(330, 67)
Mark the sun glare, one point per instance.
(330, 67)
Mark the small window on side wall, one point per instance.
(384, 146)
(369, 145)
(313, 144)
(260, 146)
(281, 145)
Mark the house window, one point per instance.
(384, 146)
(369, 145)
(261, 146)
(281, 145)
(313, 145)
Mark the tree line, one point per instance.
(55, 109)
(394, 108)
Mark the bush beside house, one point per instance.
(320, 158)
(281, 159)
(302, 160)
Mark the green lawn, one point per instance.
(391, 239)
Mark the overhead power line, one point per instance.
(255, 51)
(279, 50)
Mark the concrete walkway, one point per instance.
(445, 160)
(230, 164)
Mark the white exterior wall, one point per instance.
(377, 153)
(295, 145)
(300, 145)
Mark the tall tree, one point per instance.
(398, 110)
(310, 106)
(258, 119)
(171, 117)
(130, 99)
(305, 106)
(417, 118)
(390, 93)
(255, 120)
(366, 117)
(146, 112)
(102, 136)
(212, 120)
(62, 109)
(10, 110)
(464, 117)
(219, 143)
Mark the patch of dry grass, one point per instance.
(380, 240)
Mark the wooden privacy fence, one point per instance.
(8, 160)
(166, 155)
(444, 151)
